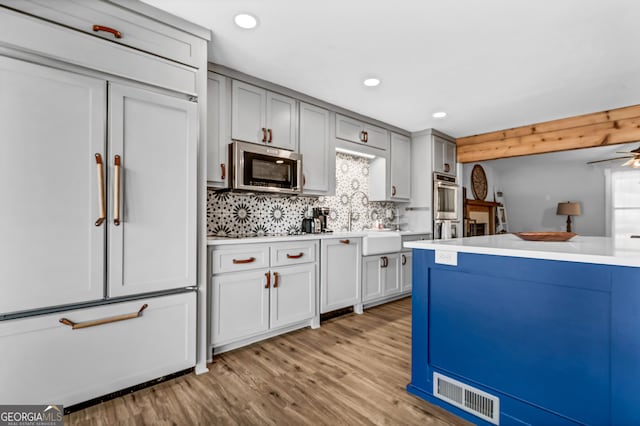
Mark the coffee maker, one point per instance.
(322, 214)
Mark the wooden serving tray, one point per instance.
(545, 236)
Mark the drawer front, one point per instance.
(239, 258)
(46, 361)
(135, 30)
(293, 253)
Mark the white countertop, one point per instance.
(601, 250)
(219, 241)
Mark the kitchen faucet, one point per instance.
(351, 206)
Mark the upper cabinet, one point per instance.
(218, 136)
(318, 151)
(263, 117)
(362, 133)
(444, 156)
(400, 167)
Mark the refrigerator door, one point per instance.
(52, 132)
(152, 222)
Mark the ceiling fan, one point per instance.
(632, 157)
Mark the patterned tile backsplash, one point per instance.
(238, 213)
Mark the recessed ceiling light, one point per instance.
(439, 114)
(371, 82)
(246, 21)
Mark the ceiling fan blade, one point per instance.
(608, 159)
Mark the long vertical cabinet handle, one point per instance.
(116, 190)
(268, 284)
(224, 171)
(101, 191)
(270, 132)
(404, 260)
(264, 134)
(275, 284)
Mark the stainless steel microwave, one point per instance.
(264, 169)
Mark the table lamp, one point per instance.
(569, 209)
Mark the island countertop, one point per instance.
(600, 250)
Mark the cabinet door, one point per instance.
(348, 129)
(51, 128)
(406, 260)
(340, 275)
(371, 278)
(281, 121)
(400, 167)
(248, 114)
(293, 294)
(450, 158)
(391, 273)
(377, 137)
(317, 149)
(438, 154)
(239, 305)
(218, 137)
(154, 246)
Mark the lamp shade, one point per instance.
(569, 209)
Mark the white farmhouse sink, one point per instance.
(381, 242)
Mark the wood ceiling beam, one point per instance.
(611, 127)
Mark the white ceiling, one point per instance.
(489, 64)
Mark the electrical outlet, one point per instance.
(445, 257)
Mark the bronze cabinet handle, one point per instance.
(268, 284)
(304, 180)
(393, 190)
(243, 261)
(264, 134)
(366, 137)
(116, 190)
(345, 241)
(295, 256)
(93, 323)
(362, 136)
(404, 260)
(385, 261)
(275, 275)
(270, 136)
(101, 192)
(223, 169)
(116, 33)
(446, 167)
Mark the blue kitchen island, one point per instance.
(516, 332)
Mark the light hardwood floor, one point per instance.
(351, 371)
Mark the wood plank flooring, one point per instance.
(353, 370)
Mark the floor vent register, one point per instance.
(467, 398)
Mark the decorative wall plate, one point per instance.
(479, 182)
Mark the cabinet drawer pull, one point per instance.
(116, 190)
(116, 33)
(243, 261)
(268, 284)
(264, 134)
(404, 260)
(295, 256)
(393, 190)
(270, 132)
(275, 275)
(223, 170)
(77, 325)
(366, 137)
(345, 241)
(101, 195)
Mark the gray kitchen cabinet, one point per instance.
(381, 276)
(353, 130)
(218, 129)
(260, 290)
(317, 147)
(340, 277)
(152, 242)
(406, 262)
(53, 252)
(444, 156)
(261, 116)
(400, 167)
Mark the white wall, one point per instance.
(533, 186)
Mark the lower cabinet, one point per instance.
(255, 300)
(340, 273)
(380, 276)
(406, 262)
(45, 361)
